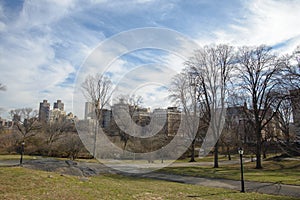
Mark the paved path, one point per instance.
(7, 163)
(250, 186)
(91, 169)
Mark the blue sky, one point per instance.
(44, 43)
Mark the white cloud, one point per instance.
(46, 41)
(266, 22)
(36, 58)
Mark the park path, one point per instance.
(83, 169)
(250, 186)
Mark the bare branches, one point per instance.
(97, 89)
(258, 72)
(26, 121)
(203, 86)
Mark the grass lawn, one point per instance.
(22, 183)
(208, 158)
(286, 171)
(16, 157)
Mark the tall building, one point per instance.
(295, 97)
(89, 112)
(106, 118)
(57, 114)
(58, 105)
(171, 117)
(44, 111)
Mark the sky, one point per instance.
(44, 45)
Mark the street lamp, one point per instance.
(162, 154)
(240, 150)
(22, 152)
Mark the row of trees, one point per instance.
(216, 77)
(220, 76)
(55, 138)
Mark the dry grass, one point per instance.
(286, 171)
(22, 183)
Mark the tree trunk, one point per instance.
(193, 151)
(264, 155)
(216, 154)
(228, 153)
(258, 149)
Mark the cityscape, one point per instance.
(150, 99)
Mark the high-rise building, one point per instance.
(89, 111)
(44, 111)
(58, 105)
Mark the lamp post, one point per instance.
(162, 154)
(240, 150)
(22, 152)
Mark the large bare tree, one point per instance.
(213, 67)
(258, 71)
(97, 90)
(183, 92)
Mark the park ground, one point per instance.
(28, 183)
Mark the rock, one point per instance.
(84, 179)
(73, 171)
(71, 163)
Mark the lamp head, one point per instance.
(240, 150)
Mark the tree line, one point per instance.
(29, 135)
(217, 77)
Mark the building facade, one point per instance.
(58, 105)
(44, 111)
(89, 112)
(295, 98)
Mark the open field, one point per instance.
(285, 171)
(22, 183)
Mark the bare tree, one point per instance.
(291, 105)
(26, 122)
(128, 105)
(258, 72)
(54, 130)
(283, 117)
(230, 134)
(291, 70)
(213, 66)
(183, 92)
(72, 146)
(97, 90)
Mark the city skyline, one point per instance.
(41, 53)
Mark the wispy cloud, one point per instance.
(264, 22)
(44, 43)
